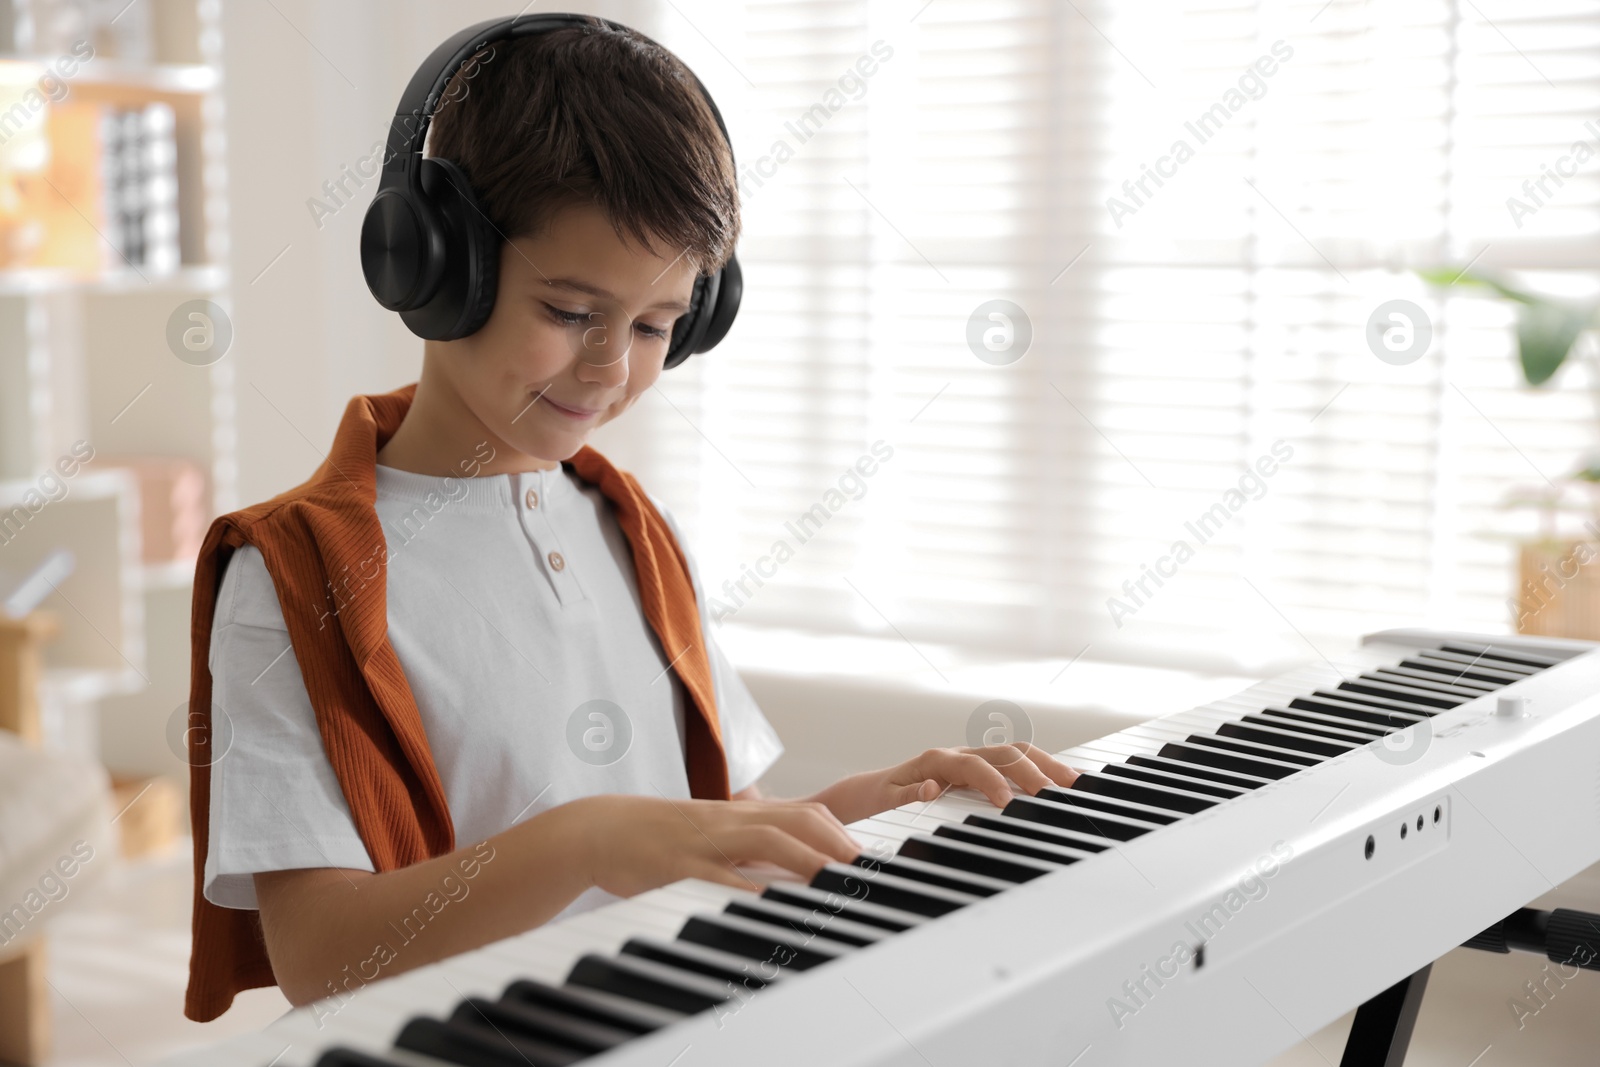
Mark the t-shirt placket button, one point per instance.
(556, 562)
(532, 499)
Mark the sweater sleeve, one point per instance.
(750, 743)
(275, 802)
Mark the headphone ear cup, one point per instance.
(471, 276)
(687, 330)
(726, 305)
(712, 307)
(402, 249)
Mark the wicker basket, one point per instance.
(1558, 589)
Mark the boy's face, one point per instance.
(579, 330)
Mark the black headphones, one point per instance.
(429, 252)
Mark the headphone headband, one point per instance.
(428, 84)
(428, 250)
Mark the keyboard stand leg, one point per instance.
(1383, 1025)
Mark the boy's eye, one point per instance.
(575, 318)
(566, 318)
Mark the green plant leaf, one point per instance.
(1546, 332)
(1446, 277)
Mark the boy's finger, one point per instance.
(721, 873)
(770, 844)
(1013, 760)
(1028, 776)
(823, 833)
(1002, 756)
(1060, 772)
(973, 771)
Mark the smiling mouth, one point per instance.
(577, 413)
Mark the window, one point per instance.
(1198, 371)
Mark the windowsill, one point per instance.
(1128, 691)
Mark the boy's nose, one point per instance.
(602, 351)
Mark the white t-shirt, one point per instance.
(513, 607)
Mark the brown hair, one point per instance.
(590, 114)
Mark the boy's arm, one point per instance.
(323, 925)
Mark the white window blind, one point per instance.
(1177, 335)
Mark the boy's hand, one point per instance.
(637, 843)
(925, 777)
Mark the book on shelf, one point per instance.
(103, 198)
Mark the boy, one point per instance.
(468, 626)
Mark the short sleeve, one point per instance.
(275, 802)
(750, 743)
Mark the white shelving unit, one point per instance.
(87, 359)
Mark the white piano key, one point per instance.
(946, 809)
(895, 832)
(873, 840)
(1158, 734)
(1122, 746)
(551, 959)
(372, 1016)
(917, 822)
(710, 892)
(378, 1040)
(1082, 755)
(1097, 756)
(1199, 721)
(246, 1050)
(367, 1020)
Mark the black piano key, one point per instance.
(1428, 679)
(340, 1056)
(1033, 849)
(710, 962)
(1317, 724)
(1363, 712)
(861, 911)
(646, 980)
(1255, 748)
(1192, 770)
(934, 874)
(1504, 673)
(872, 882)
(1228, 761)
(807, 921)
(1099, 823)
(1321, 725)
(1286, 736)
(1517, 656)
(980, 859)
(543, 1024)
(620, 1012)
(1055, 836)
(1371, 701)
(760, 941)
(1188, 783)
(1461, 673)
(480, 1046)
(1110, 805)
(1157, 796)
(1397, 692)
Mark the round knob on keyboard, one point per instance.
(1511, 707)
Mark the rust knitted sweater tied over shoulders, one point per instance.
(312, 538)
